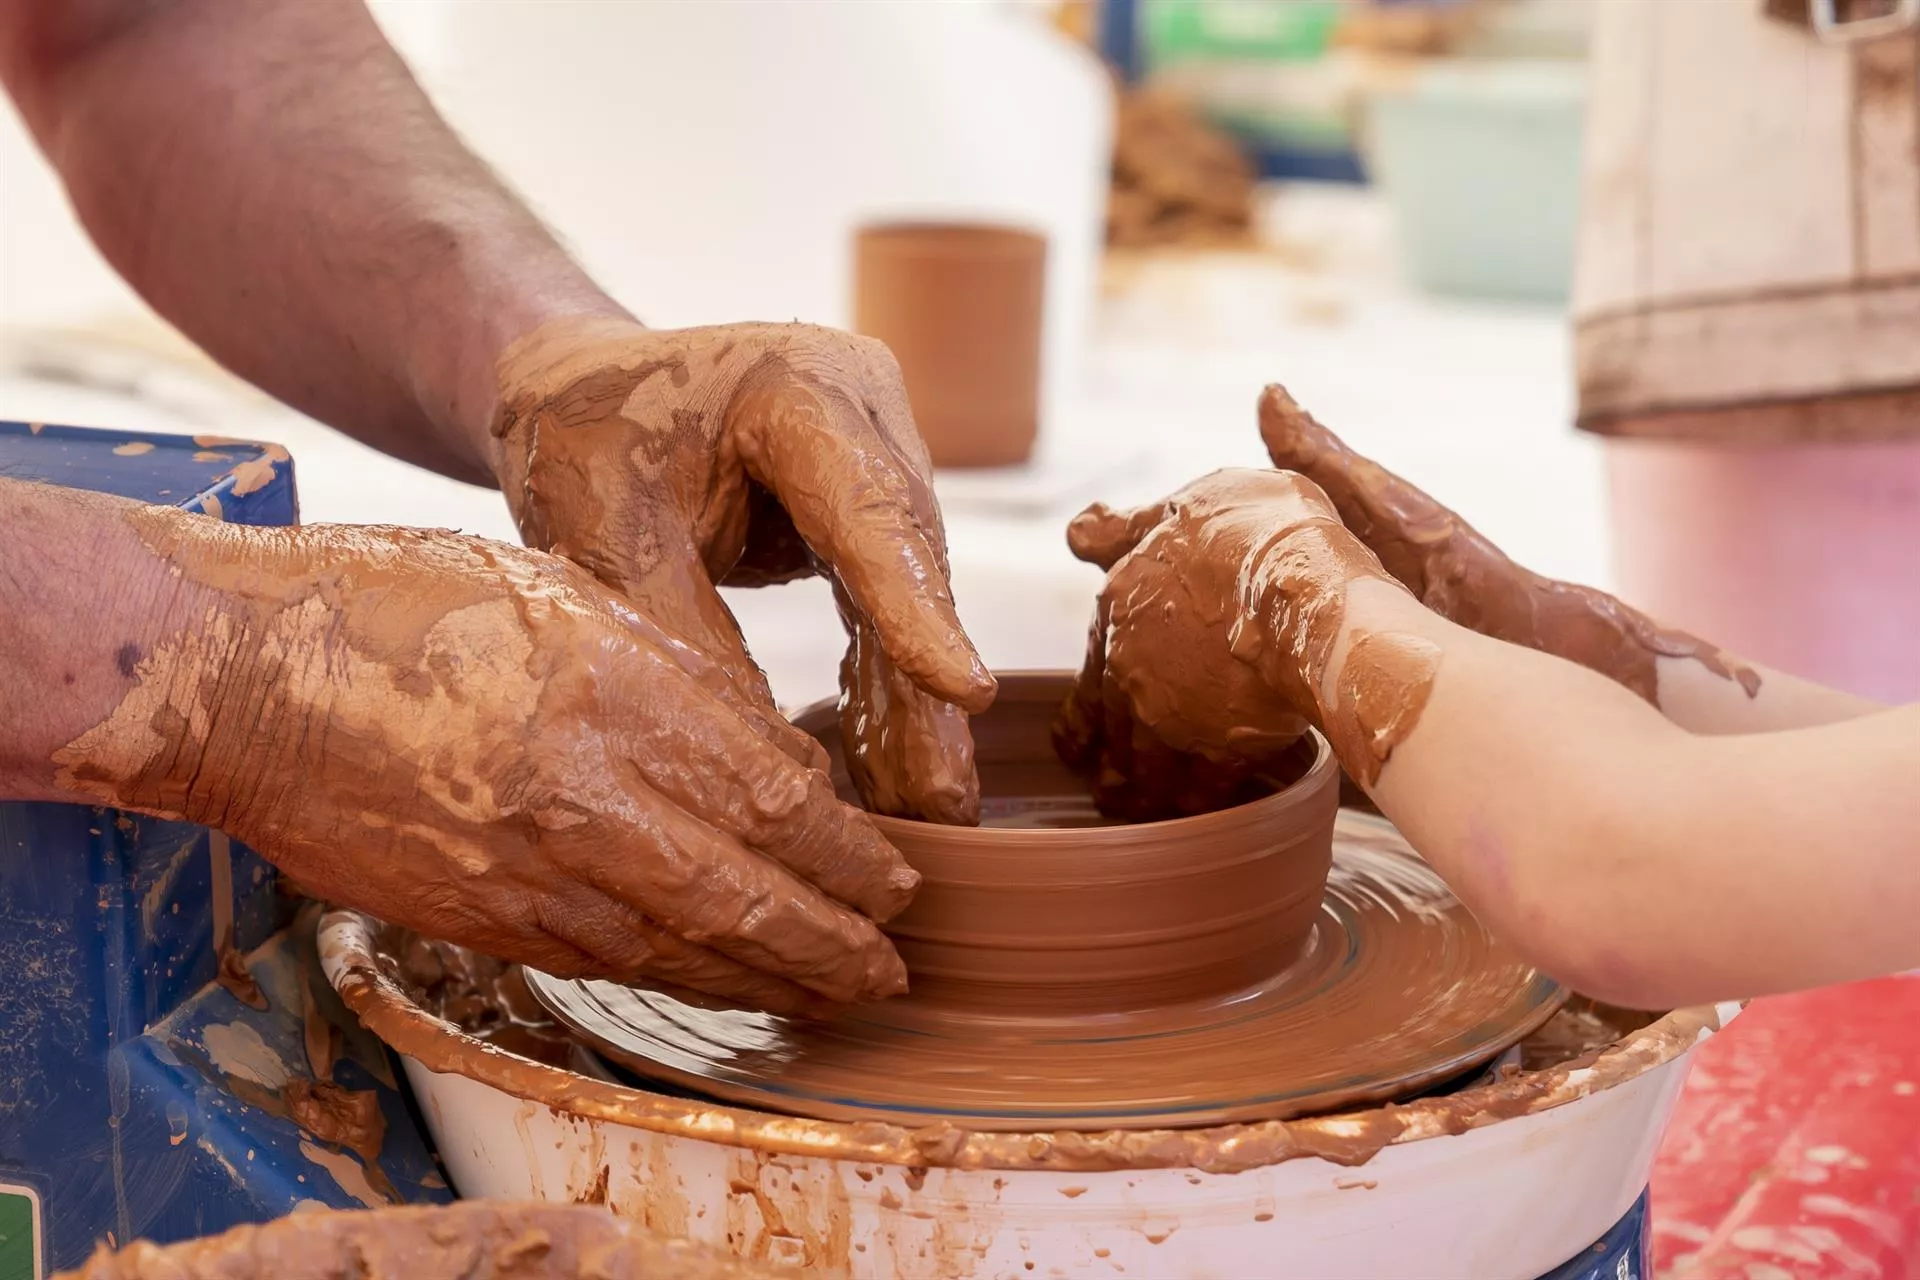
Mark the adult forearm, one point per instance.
(270, 177)
(82, 602)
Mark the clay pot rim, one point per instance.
(346, 944)
(1131, 851)
(952, 238)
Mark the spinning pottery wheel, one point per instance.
(1264, 962)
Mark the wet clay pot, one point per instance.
(529, 1241)
(961, 306)
(1046, 907)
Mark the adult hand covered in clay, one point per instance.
(1455, 571)
(1210, 641)
(484, 744)
(669, 462)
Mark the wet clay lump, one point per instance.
(472, 1240)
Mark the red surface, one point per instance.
(1795, 1150)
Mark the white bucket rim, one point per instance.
(350, 961)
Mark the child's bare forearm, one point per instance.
(1458, 573)
(1642, 863)
(1701, 702)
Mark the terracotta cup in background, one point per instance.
(960, 304)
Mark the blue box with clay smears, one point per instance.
(138, 1096)
(238, 480)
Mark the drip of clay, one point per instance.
(1453, 570)
(349, 1118)
(472, 1240)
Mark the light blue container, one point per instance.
(1480, 160)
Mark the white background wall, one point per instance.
(709, 160)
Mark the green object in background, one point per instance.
(1265, 70)
(1290, 30)
(19, 1233)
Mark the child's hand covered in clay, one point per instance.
(1665, 832)
(1210, 639)
(669, 462)
(484, 744)
(1455, 571)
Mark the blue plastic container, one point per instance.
(1624, 1253)
(119, 1115)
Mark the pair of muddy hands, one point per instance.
(564, 755)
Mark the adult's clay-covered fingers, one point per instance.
(485, 918)
(1101, 535)
(706, 760)
(789, 813)
(615, 942)
(853, 496)
(755, 707)
(700, 884)
(671, 586)
(909, 754)
(540, 949)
